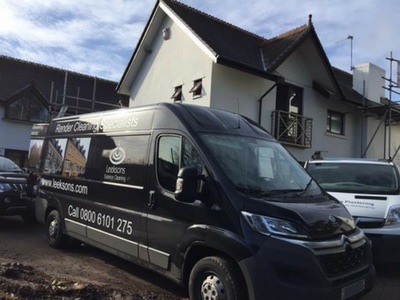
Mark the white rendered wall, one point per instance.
(315, 106)
(13, 135)
(240, 92)
(173, 62)
(371, 75)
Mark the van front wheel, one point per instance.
(55, 236)
(216, 278)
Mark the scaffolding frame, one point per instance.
(59, 110)
(387, 118)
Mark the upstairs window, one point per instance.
(27, 108)
(335, 122)
(197, 88)
(177, 96)
(289, 99)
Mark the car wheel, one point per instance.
(54, 226)
(216, 278)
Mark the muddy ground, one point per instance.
(30, 269)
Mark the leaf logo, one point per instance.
(117, 155)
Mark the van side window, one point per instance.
(119, 159)
(175, 152)
(54, 152)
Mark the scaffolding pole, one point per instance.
(391, 85)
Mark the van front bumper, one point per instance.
(393, 230)
(285, 270)
(385, 248)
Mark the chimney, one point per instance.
(372, 75)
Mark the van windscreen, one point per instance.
(359, 178)
(260, 167)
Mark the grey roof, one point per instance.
(345, 80)
(241, 47)
(17, 75)
(227, 40)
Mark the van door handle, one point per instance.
(152, 195)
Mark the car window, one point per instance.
(7, 165)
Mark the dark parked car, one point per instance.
(16, 191)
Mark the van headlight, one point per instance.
(393, 215)
(272, 226)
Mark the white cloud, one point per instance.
(91, 37)
(98, 37)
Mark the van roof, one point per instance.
(351, 161)
(160, 116)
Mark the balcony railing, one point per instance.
(291, 128)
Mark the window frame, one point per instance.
(31, 98)
(177, 96)
(197, 88)
(184, 144)
(29, 116)
(341, 117)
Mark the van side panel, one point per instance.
(96, 166)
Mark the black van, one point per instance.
(205, 197)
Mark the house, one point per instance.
(32, 93)
(284, 83)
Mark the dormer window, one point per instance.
(27, 106)
(177, 96)
(335, 122)
(196, 89)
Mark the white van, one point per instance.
(368, 188)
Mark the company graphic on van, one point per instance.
(117, 155)
(362, 204)
(76, 127)
(103, 220)
(123, 122)
(114, 173)
(64, 186)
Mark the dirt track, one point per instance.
(30, 269)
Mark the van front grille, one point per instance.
(341, 263)
(370, 223)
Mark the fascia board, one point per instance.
(139, 54)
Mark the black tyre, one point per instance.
(216, 278)
(54, 226)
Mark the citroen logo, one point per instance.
(345, 240)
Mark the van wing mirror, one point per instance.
(186, 184)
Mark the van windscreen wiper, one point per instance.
(279, 192)
(306, 188)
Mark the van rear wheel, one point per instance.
(55, 236)
(216, 278)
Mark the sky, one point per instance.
(98, 38)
